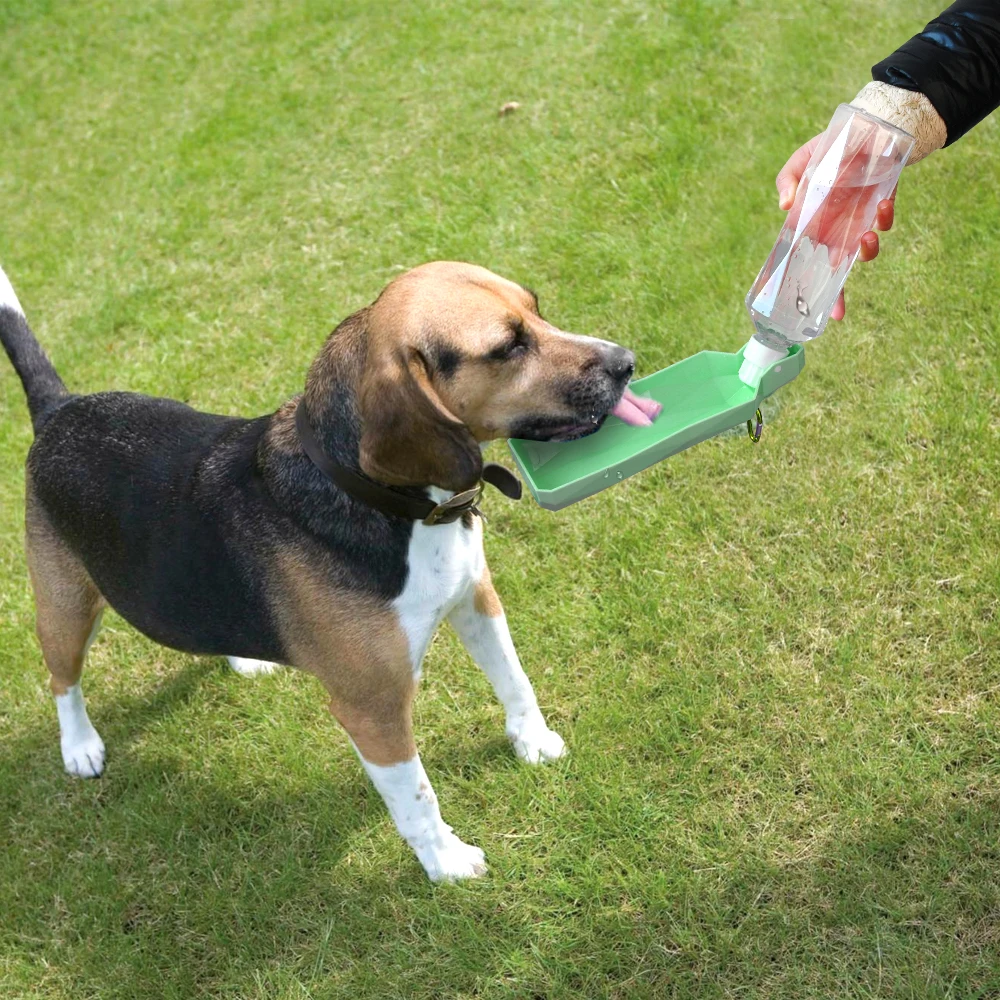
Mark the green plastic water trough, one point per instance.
(702, 396)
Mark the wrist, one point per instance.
(906, 109)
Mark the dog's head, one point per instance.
(457, 355)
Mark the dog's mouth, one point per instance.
(631, 409)
(573, 432)
(549, 429)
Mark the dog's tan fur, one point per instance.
(470, 309)
(485, 599)
(354, 644)
(67, 603)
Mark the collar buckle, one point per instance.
(453, 508)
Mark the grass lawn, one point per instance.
(776, 667)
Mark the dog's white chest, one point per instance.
(444, 563)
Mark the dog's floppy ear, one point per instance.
(408, 436)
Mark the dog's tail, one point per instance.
(42, 385)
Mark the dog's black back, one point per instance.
(165, 506)
(178, 516)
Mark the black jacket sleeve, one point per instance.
(955, 62)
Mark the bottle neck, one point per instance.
(758, 356)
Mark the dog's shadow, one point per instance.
(161, 849)
(178, 876)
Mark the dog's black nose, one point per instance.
(620, 363)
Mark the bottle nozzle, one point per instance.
(757, 358)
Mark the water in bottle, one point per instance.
(855, 165)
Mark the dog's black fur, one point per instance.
(42, 384)
(176, 513)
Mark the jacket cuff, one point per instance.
(906, 109)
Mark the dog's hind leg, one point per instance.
(481, 625)
(68, 610)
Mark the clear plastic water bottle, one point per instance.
(855, 165)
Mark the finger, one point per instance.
(838, 308)
(869, 246)
(791, 173)
(885, 215)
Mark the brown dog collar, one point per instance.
(390, 501)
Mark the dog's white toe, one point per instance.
(251, 668)
(452, 859)
(84, 756)
(82, 747)
(535, 743)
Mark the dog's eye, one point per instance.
(514, 347)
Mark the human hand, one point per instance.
(787, 183)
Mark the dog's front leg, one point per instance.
(410, 799)
(482, 626)
(377, 718)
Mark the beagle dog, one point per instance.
(333, 535)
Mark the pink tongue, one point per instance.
(636, 411)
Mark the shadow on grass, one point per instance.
(188, 882)
(159, 880)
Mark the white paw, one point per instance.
(251, 668)
(452, 859)
(84, 756)
(535, 743)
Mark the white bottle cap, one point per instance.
(757, 358)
